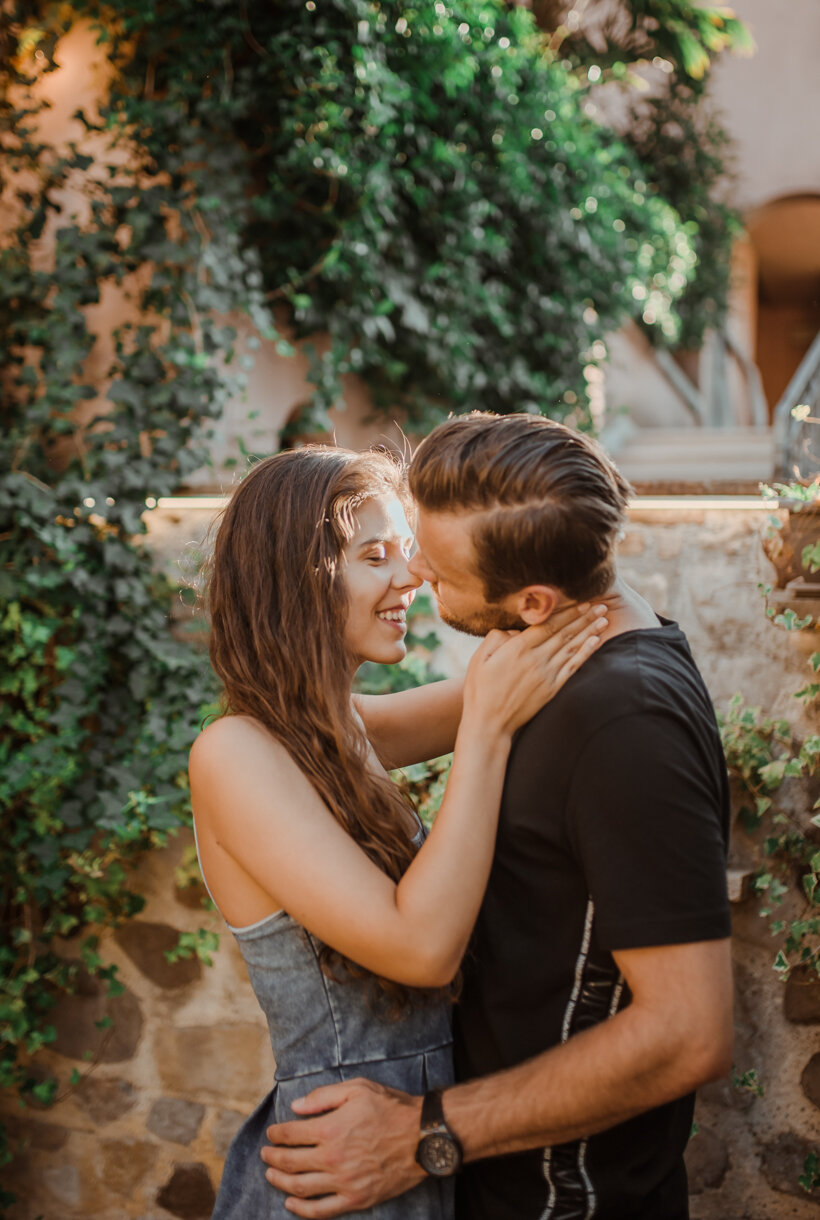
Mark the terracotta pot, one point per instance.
(799, 528)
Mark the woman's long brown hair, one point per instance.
(278, 608)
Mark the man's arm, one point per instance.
(675, 1035)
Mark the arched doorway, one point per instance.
(785, 236)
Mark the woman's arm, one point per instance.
(411, 726)
(252, 802)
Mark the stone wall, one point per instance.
(145, 1132)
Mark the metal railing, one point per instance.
(797, 432)
(712, 407)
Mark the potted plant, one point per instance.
(791, 539)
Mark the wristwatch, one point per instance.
(438, 1152)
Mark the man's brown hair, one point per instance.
(551, 503)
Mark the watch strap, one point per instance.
(432, 1113)
(439, 1151)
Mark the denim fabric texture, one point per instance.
(323, 1032)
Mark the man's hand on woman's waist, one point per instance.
(356, 1148)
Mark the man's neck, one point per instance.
(626, 610)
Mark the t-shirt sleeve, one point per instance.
(645, 819)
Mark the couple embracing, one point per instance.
(506, 1018)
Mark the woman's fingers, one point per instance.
(576, 659)
(491, 643)
(573, 627)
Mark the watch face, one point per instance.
(438, 1155)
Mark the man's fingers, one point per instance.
(319, 1209)
(300, 1133)
(326, 1097)
(288, 1159)
(300, 1185)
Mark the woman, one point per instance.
(351, 924)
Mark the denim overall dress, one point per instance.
(323, 1032)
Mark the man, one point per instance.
(597, 994)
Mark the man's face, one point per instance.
(445, 558)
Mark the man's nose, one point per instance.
(417, 568)
(406, 577)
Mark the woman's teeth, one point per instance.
(393, 616)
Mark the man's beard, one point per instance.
(489, 619)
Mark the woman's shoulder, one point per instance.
(231, 739)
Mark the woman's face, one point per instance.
(378, 582)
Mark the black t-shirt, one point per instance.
(613, 832)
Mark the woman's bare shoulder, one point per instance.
(231, 738)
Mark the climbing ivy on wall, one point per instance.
(100, 703)
(420, 183)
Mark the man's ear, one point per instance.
(535, 603)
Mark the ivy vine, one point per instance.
(772, 772)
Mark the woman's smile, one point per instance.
(378, 581)
(395, 616)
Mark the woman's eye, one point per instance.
(377, 557)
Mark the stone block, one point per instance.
(810, 1080)
(45, 1137)
(173, 1119)
(193, 897)
(147, 943)
(124, 1164)
(63, 1182)
(707, 1160)
(782, 1165)
(105, 1099)
(75, 1020)
(39, 1074)
(726, 1096)
(801, 1003)
(188, 1193)
(229, 1062)
(224, 1128)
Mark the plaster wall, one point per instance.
(770, 102)
(144, 1134)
